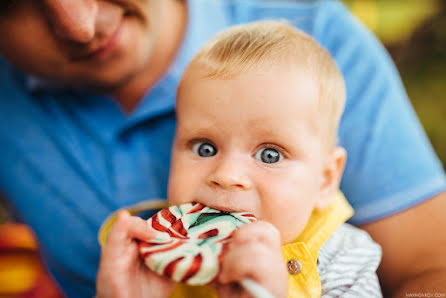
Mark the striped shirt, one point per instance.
(347, 264)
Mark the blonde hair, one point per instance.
(273, 44)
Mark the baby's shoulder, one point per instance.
(347, 238)
(347, 264)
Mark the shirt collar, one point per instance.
(301, 255)
(322, 224)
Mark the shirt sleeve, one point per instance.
(347, 264)
(391, 165)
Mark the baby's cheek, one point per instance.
(289, 214)
(178, 194)
(177, 190)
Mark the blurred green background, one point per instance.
(414, 32)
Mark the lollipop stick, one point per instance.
(256, 290)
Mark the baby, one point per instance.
(257, 116)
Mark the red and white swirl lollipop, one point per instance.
(189, 241)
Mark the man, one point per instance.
(87, 115)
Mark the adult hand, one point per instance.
(122, 273)
(254, 253)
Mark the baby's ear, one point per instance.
(331, 176)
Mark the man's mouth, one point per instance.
(107, 46)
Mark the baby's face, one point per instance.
(249, 143)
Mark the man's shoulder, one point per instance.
(241, 11)
(293, 11)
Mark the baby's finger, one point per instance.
(230, 290)
(260, 231)
(139, 229)
(121, 238)
(242, 261)
(258, 262)
(127, 227)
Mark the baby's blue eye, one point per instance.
(268, 155)
(204, 149)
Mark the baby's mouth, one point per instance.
(221, 207)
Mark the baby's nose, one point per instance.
(230, 175)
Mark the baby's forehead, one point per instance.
(274, 94)
(261, 121)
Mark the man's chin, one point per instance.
(101, 86)
(98, 83)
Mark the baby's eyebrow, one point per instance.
(203, 124)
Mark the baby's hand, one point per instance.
(254, 253)
(121, 272)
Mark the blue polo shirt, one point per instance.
(69, 159)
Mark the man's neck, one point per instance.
(173, 22)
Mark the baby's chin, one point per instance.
(289, 236)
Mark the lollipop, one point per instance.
(189, 241)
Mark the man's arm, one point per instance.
(414, 245)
